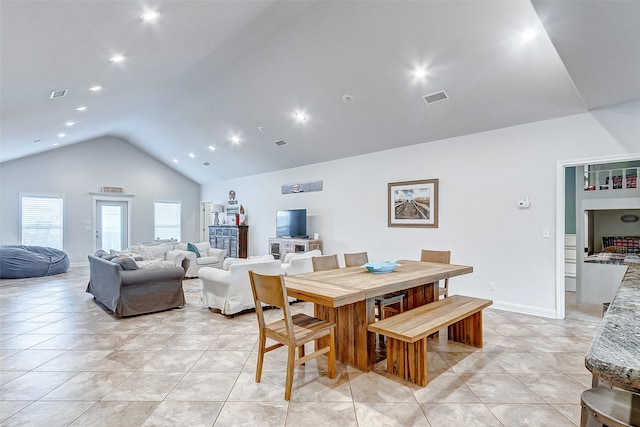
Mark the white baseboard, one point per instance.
(525, 309)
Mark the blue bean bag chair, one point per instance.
(20, 261)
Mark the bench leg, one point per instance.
(468, 330)
(408, 361)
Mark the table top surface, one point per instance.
(334, 288)
(614, 353)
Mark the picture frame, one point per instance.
(413, 203)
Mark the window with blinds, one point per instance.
(41, 220)
(167, 220)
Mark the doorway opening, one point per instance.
(111, 223)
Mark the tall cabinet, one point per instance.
(231, 238)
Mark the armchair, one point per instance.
(230, 290)
(209, 257)
(299, 263)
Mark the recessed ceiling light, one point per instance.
(55, 144)
(69, 123)
(175, 160)
(529, 34)
(262, 129)
(192, 155)
(81, 108)
(150, 15)
(235, 139)
(95, 88)
(348, 99)
(117, 58)
(35, 141)
(62, 135)
(212, 148)
(300, 116)
(420, 73)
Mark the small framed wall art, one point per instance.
(413, 203)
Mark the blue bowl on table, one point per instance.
(381, 267)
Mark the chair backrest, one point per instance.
(356, 259)
(270, 290)
(325, 262)
(443, 257)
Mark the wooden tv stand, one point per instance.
(280, 246)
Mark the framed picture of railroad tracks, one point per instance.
(413, 203)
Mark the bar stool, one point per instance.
(614, 408)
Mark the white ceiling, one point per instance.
(209, 69)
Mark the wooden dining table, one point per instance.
(347, 296)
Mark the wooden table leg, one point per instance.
(355, 345)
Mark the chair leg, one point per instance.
(261, 346)
(584, 416)
(290, 366)
(301, 352)
(331, 357)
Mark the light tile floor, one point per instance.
(65, 361)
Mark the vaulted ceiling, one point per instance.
(207, 71)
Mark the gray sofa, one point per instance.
(131, 292)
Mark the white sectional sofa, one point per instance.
(169, 253)
(230, 290)
(151, 255)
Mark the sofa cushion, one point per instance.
(125, 252)
(192, 248)
(203, 247)
(126, 263)
(151, 252)
(204, 260)
(182, 246)
(148, 264)
(157, 251)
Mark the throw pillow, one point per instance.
(127, 263)
(192, 248)
(203, 247)
(126, 252)
(156, 263)
(156, 251)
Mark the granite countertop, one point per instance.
(614, 354)
(613, 258)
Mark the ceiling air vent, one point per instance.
(432, 98)
(280, 142)
(206, 163)
(58, 93)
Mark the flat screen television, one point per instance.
(291, 223)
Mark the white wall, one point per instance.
(482, 176)
(80, 169)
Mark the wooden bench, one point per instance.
(407, 332)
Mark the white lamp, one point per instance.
(216, 209)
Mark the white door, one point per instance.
(205, 220)
(112, 225)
